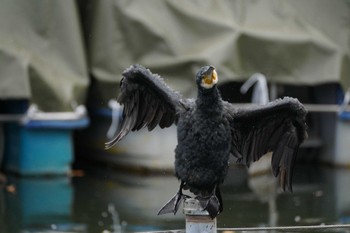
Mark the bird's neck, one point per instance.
(209, 100)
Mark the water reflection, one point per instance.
(136, 197)
(34, 203)
(104, 200)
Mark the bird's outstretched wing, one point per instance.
(278, 126)
(147, 101)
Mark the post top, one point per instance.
(192, 206)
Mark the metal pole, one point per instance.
(197, 219)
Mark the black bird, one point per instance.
(209, 130)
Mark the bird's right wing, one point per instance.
(147, 101)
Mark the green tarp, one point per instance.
(42, 53)
(297, 42)
(42, 56)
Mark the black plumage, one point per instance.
(210, 130)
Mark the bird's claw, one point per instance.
(210, 204)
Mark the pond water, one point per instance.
(100, 199)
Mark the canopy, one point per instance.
(296, 42)
(43, 57)
(41, 54)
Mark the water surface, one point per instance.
(105, 200)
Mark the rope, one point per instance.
(281, 228)
(309, 107)
(288, 228)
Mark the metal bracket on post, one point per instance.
(197, 219)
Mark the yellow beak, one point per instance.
(211, 78)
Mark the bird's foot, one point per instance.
(173, 204)
(210, 204)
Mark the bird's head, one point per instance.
(206, 77)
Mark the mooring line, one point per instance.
(278, 228)
(288, 228)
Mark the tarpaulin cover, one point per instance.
(298, 42)
(42, 55)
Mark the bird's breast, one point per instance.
(201, 156)
(204, 134)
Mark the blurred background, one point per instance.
(60, 68)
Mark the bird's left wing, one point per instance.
(278, 126)
(147, 101)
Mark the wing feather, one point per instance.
(147, 102)
(278, 127)
(155, 121)
(142, 114)
(167, 120)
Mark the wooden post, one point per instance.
(197, 219)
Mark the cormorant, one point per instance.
(209, 130)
